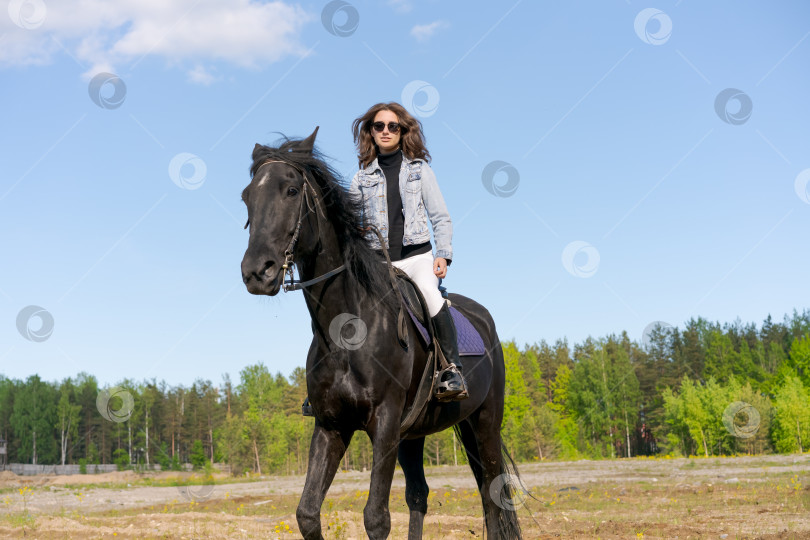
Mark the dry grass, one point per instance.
(732, 498)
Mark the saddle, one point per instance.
(469, 341)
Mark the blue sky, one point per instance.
(639, 196)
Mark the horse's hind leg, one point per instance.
(416, 488)
(497, 486)
(325, 453)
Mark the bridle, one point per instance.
(312, 202)
(310, 197)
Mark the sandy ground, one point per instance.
(745, 497)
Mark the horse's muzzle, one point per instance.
(264, 279)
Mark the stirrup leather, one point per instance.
(450, 384)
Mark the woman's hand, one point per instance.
(440, 267)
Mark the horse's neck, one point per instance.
(335, 295)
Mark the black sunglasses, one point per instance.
(379, 127)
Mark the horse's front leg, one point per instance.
(325, 453)
(384, 434)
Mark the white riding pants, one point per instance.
(420, 269)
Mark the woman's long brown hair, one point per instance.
(412, 139)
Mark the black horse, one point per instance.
(298, 212)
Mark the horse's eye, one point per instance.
(292, 192)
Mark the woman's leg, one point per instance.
(420, 269)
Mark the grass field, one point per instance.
(726, 498)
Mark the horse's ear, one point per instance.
(308, 143)
(256, 150)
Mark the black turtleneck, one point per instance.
(391, 164)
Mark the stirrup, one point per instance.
(450, 385)
(306, 408)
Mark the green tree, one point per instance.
(68, 415)
(249, 431)
(255, 432)
(721, 357)
(791, 422)
(677, 436)
(162, 457)
(696, 417)
(197, 457)
(33, 420)
(90, 425)
(8, 388)
(541, 423)
(703, 417)
(516, 400)
(150, 395)
(604, 396)
(625, 391)
(93, 454)
(566, 429)
(751, 425)
(689, 355)
(799, 359)
(121, 459)
(442, 448)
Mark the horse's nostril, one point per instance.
(268, 266)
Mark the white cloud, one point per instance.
(201, 75)
(104, 35)
(401, 6)
(423, 32)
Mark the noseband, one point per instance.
(309, 197)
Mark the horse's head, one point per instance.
(279, 199)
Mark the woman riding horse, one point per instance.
(399, 193)
(301, 215)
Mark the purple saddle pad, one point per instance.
(469, 340)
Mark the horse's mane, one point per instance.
(342, 211)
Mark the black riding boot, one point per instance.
(451, 385)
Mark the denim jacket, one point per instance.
(421, 200)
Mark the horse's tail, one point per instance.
(506, 491)
(512, 496)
